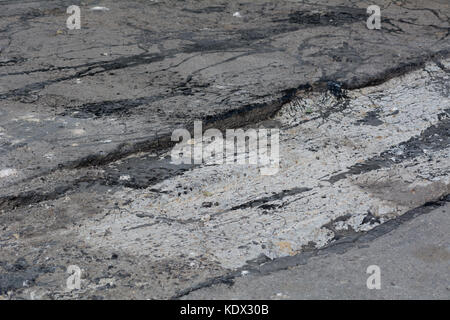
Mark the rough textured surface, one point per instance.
(86, 118)
(413, 259)
(145, 68)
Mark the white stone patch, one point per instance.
(124, 178)
(78, 132)
(29, 118)
(99, 8)
(4, 173)
(49, 156)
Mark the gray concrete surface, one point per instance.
(414, 260)
(86, 118)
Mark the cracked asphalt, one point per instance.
(86, 178)
(413, 266)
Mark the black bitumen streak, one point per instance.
(261, 202)
(34, 196)
(371, 119)
(20, 274)
(338, 17)
(263, 265)
(105, 108)
(433, 138)
(399, 70)
(11, 61)
(143, 172)
(90, 69)
(247, 114)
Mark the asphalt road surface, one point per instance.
(413, 258)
